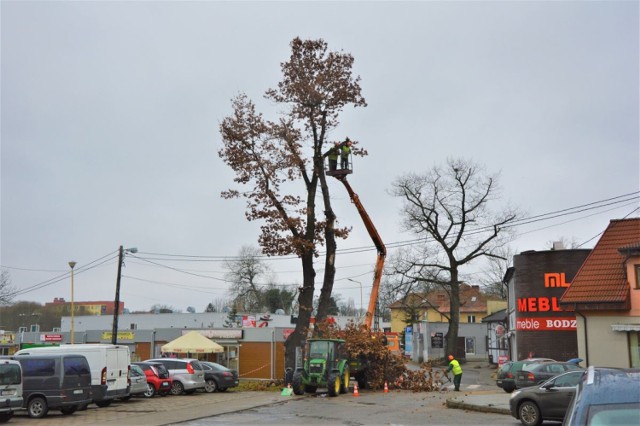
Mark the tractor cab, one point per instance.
(325, 366)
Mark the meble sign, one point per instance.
(545, 304)
(546, 323)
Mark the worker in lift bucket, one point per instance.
(333, 155)
(454, 366)
(345, 151)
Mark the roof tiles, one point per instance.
(602, 278)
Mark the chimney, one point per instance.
(558, 245)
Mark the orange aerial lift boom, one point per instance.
(341, 175)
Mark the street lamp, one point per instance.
(116, 308)
(354, 281)
(72, 264)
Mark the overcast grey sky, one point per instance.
(110, 114)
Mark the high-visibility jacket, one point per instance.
(333, 153)
(454, 366)
(345, 151)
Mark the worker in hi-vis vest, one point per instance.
(454, 366)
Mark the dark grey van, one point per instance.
(58, 382)
(10, 388)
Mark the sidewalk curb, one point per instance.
(461, 405)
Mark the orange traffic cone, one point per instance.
(355, 389)
(386, 388)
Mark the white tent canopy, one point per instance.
(192, 342)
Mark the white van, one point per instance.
(10, 388)
(110, 365)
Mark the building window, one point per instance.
(634, 348)
(471, 318)
(133, 326)
(637, 276)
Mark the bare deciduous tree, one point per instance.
(7, 290)
(268, 157)
(449, 207)
(244, 275)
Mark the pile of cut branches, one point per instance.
(381, 365)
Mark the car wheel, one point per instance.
(210, 386)
(37, 408)
(176, 388)
(103, 404)
(69, 410)
(151, 390)
(508, 389)
(529, 413)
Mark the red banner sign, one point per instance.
(51, 337)
(546, 323)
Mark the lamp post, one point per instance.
(72, 264)
(358, 282)
(116, 307)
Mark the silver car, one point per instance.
(187, 374)
(138, 382)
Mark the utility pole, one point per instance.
(116, 308)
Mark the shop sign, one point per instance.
(51, 337)
(546, 323)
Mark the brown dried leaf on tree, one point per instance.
(382, 365)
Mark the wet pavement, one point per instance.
(478, 393)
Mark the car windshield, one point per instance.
(10, 374)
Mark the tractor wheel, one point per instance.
(362, 380)
(334, 384)
(346, 376)
(297, 384)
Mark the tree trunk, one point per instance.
(330, 257)
(305, 303)
(454, 314)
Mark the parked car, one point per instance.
(533, 374)
(548, 401)
(60, 382)
(506, 377)
(186, 374)
(606, 396)
(138, 382)
(158, 380)
(109, 366)
(10, 388)
(218, 377)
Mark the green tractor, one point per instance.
(325, 366)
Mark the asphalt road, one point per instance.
(370, 408)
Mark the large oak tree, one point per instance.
(280, 166)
